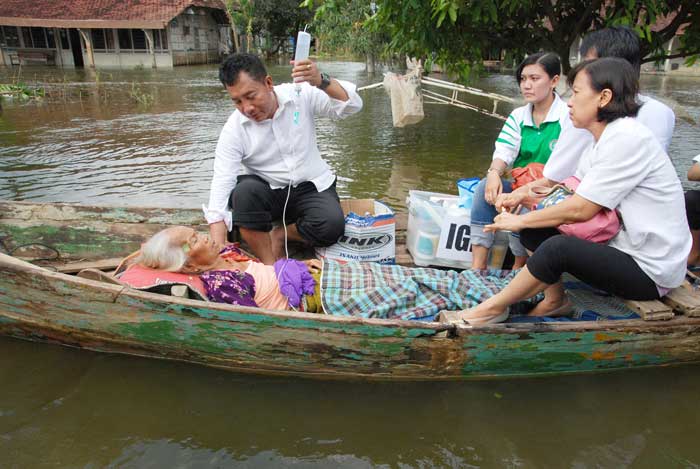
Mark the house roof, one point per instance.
(147, 14)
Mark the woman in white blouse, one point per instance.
(624, 169)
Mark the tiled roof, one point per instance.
(97, 13)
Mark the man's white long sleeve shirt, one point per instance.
(281, 150)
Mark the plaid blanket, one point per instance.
(373, 290)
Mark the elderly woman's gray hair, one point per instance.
(161, 253)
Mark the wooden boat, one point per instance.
(49, 304)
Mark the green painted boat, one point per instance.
(42, 301)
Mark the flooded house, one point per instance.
(113, 33)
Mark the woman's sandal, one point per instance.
(455, 317)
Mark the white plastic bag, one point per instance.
(406, 97)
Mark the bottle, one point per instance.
(303, 45)
(497, 253)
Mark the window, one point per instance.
(109, 39)
(98, 39)
(11, 36)
(27, 37)
(102, 40)
(38, 38)
(50, 39)
(185, 30)
(63, 34)
(139, 39)
(160, 39)
(125, 39)
(132, 40)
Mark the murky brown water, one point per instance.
(68, 408)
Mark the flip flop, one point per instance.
(455, 317)
(492, 320)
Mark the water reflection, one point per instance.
(79, 409)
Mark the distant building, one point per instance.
(113, 33)
(671, 66)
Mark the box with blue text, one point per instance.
(370, 233)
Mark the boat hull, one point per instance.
(40, 305)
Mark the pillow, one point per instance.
(160, 281)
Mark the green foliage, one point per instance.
(242, 13)
(141, 97)
(275, 20)
(21, 91)
(347, 27)
(458, 33)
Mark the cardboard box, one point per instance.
(370, 233)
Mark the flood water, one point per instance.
(67, 408)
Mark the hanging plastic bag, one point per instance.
(406, 97)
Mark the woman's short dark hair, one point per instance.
(619, 77)
(549, 60)
(234, 64)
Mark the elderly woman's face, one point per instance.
(201, 250)
(584, 102)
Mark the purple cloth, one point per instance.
(229, 286)
(294, 280)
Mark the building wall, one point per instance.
(130, 60)
(194, 37)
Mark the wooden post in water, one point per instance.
(88, 45)
(151, 46)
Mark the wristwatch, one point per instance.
(325, 81)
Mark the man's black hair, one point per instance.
(615, 41)
(549, 60)
(619, 77)
(234, 64)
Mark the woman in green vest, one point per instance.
(527, 138)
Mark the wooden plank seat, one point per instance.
(684, 300)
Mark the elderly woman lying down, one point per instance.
(353, 288)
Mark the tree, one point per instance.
(343, 27)
(277, 21)
(456, 33)
(242, 12)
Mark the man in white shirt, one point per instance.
(267, 163)
(621, 42)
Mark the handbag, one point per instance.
(600, 229)
(526, 174)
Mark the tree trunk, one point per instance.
(370, 63)
(236, 41)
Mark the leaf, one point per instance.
(453, 12)
(493, 11)
(441, 18)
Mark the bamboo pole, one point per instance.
(437, 98)
(432, 97)
(466, 89)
